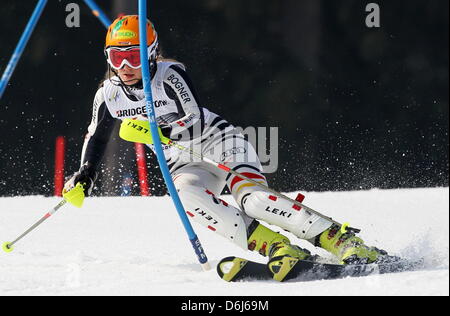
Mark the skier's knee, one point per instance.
(215, 214)
(186, 180)
(240, 187)
(197, 178)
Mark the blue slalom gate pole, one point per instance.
(98, 12)
(21, 45)
(156, 139)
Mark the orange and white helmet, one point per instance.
(122, 42)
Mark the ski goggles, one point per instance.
(120, 56)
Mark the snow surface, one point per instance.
(137, 246)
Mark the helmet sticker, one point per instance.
(117, 27)
(124, 34)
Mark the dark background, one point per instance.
(357, 108)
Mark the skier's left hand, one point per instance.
(86, 175)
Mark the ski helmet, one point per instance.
(123, 36)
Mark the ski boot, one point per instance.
(275, 246)
(349, 248)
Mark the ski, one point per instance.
(233, 269)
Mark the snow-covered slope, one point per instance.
(137, 246)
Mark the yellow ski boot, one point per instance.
(276, 246)
(349, 248)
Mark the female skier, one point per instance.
(181, 117)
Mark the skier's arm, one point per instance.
(179, 88)
(99, 132)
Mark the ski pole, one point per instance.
(74, 197)
(98, 12)
(157, 140)
(8, 246)
(21, 45)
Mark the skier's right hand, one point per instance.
(86, 176)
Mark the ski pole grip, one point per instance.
(75, 196)
(139, 132)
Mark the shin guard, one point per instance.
(282, 213)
